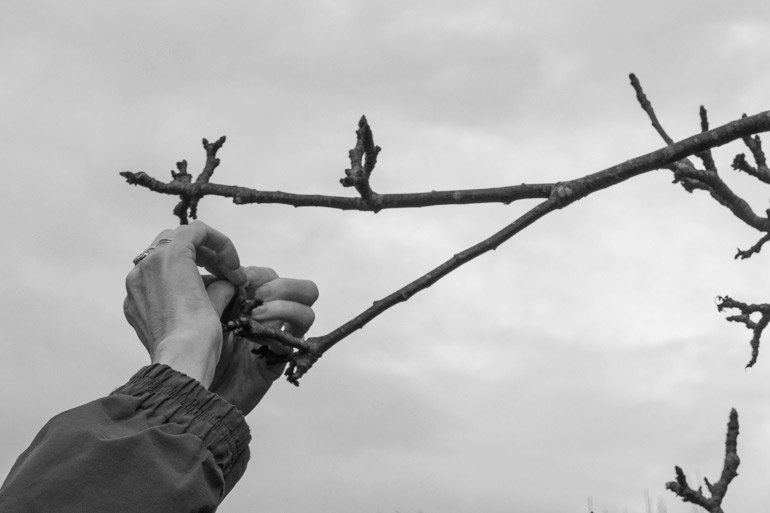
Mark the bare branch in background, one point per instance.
(717, 490)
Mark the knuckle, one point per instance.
(128, 308)
(132, 277)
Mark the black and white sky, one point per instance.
(583, 358)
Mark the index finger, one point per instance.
(215, 251)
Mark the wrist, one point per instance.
(191, 354)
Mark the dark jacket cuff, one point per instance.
(169, 396)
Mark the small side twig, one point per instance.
(183, 177)
(363, 158)
(756, 327)
(647, 107)
(717, 490)
(705, 156)
(761, 172)
(208, 169)
(753, 250)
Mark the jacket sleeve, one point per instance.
(160, 443)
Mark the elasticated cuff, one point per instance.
(176, 398)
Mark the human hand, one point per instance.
(242, 378)
(167, 303)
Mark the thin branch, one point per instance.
(243, 195)
(717, 490)
(756, 327)
(663, 158)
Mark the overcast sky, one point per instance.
(583, 358)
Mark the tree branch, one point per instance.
(717, 490)
(562, 195)
(663, 158)
(558, 195)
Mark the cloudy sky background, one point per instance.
(584, 358)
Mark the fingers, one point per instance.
(258, 276)
(214, 244)
(298, 317)
(300, 291)
(211, 249)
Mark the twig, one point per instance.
(182, 177)
(705, 156)
(717, 490)
(360, 169)
(208, 169)
(757, 327)
(753, 250)
(761, 172)
(647, 107)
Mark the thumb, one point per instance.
(220, 294)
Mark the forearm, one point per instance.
(160, 443)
